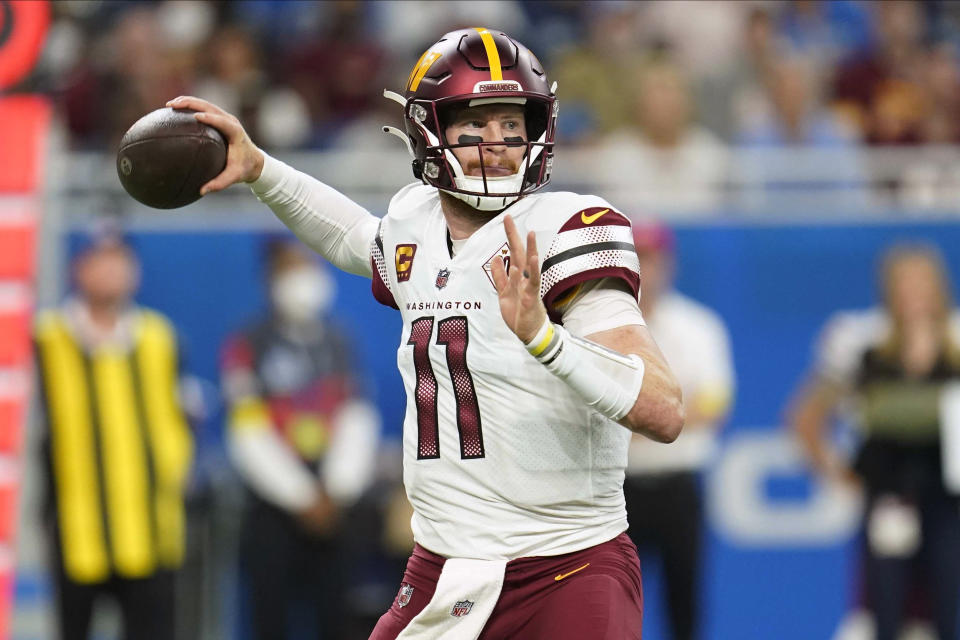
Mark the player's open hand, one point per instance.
(519, 290)
(244, 159)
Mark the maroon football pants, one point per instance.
(593, 594)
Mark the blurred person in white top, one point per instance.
(665, 161)
(665, 480)
(888, 371)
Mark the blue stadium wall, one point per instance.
(781, 563)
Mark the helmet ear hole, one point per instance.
(536, 119)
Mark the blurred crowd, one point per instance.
(665, 89)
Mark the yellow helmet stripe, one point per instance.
(493, 56)
(416, 68)
(420, 70)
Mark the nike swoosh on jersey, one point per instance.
(589, 219)
(570, 573)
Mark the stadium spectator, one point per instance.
(117, 448)
(893, 362)
(303, 439)
(109, 93)
(793, 133)
(665, 480)
(405, 28)
(598, 75)
(795, 115)
(880, 89)
(941, 82)
(827, 31)
(700, 34)
(727, 101)
(338, 93)
(232, 71)
(931, 179)
(665, 161)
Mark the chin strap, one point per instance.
(491, 201)
(484, 203)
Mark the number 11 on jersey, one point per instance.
(452, 333)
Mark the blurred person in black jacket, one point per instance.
(893, 364)
(303, 439)
(117, 447)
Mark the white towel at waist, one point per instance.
(466, 594)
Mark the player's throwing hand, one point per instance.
(244, 159)
(519, 290)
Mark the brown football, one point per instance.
(167, 155)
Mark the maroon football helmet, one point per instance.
(471, 67)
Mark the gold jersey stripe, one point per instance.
(73, 454)
(493, 56)
(168, 431)
(124, 465)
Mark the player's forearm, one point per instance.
(327, 221)
(657, 411)
(613, 381)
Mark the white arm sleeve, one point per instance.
(327, 221)
(601, 305)
(608, 382)
(271, 469)
(350, 463)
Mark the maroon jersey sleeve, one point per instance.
(596, 242)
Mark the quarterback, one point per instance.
(524, 355)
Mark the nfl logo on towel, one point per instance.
(461, 609)
(406, 592)
(442, 278)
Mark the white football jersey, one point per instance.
(501, 459)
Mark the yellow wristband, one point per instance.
(536, 347)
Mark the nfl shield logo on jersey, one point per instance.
(442, 278)
(403, 598)
(461, 609)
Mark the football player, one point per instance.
(524, 355)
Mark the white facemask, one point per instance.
(302, 293)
